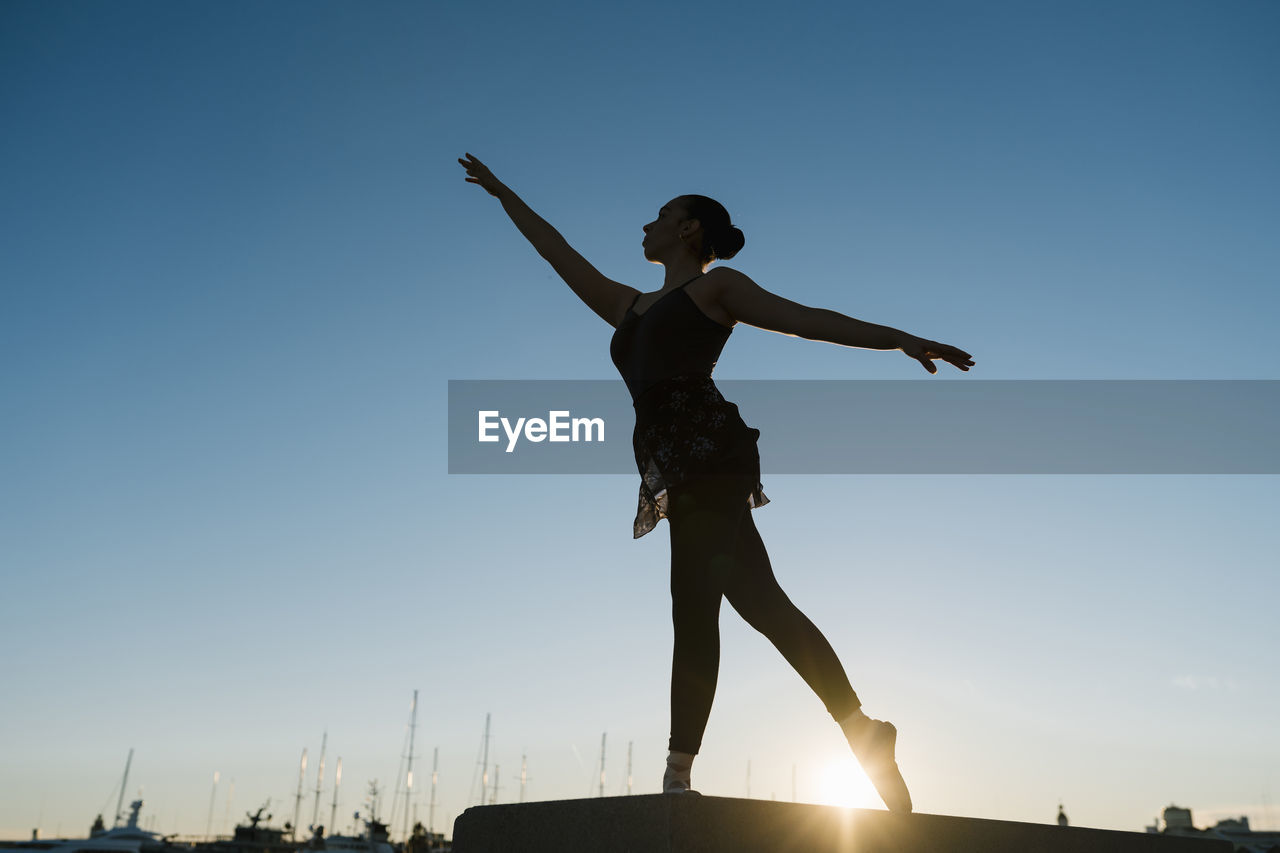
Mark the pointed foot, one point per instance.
(874, 748)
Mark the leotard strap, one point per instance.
(632, 309)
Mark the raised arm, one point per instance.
(608, 298)
(747, 302)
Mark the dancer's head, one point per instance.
(694, 225)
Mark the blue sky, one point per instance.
(240, 265)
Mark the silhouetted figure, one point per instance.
(698, 463)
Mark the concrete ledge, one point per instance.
(662, 824)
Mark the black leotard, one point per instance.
(684, 428)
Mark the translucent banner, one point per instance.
(892, 427)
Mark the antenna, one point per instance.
(297, 804)
(431, 813)
(333, 812)
(208, 826)
(602, 738)
(315, 810)
(408, 789)
(124, 783)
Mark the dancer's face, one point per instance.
(662, 236)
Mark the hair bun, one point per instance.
(720, 240)
(729, 243)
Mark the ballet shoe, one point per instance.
(873, 745)
(676, 781)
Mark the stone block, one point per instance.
(692, 824)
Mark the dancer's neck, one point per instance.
(680, 273)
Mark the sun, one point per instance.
(842, 783)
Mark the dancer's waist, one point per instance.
(686, 390)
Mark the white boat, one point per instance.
(373, 840)
(129, 838)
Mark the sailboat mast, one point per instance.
(630, 743)
(297, 803)
(315, 811)
(333, 813)
(431, 812)
(124, 783)
(524, 774)
(408, 788)
(602, 737)
(213, 795)
(484, 765)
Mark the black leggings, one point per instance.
(717, 552)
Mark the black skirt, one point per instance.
(685, 429)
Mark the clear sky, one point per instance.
(240, 265)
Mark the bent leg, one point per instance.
(754, 592)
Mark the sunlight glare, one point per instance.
(842, 783)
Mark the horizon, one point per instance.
(837, 787)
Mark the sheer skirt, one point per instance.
(685, 429)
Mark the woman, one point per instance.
(698, 462)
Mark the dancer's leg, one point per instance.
(754, 592)
(705, 517)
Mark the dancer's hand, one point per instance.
(925, 351)
(478, 173)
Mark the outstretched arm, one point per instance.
(747, 302)
(604, 296)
